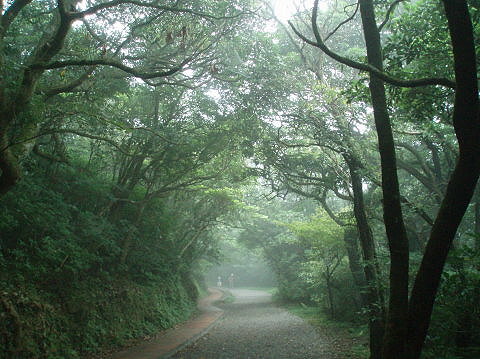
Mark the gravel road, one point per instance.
(253, 327)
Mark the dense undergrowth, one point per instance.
(316, 280)
(65, 290)
(39, 324)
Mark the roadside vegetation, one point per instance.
(349, 340)
(147, 147)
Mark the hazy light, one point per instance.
(188, 72)
(284, 10)
(214, 94)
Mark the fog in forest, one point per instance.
(320, 157)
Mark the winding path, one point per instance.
(253, 327)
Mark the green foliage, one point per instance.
(306, 253)
(65, 289)
(89, 315)
(455, 320)
(130, 185)
(325, 270)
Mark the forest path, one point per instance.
(253, 327)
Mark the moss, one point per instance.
(87, 320)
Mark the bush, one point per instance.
(64, 291)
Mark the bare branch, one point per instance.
(350, 18)
(153, 5)
(366, 67)
(389, 12)
(112, 63)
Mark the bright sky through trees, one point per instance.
(284, 9)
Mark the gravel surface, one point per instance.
(253, 327)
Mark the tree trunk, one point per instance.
(477, 218)
(328, 282)
(8, 164)
(462, 183)
(396, 325)
(350, 238)
(374, 296)
(128, 239)
(13, 104)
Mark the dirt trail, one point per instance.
(253, 327)
(171, 340)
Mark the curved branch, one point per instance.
(350, 18)
(72, 131)
(106, 62)
(423, 179)
(10, 15)
(421, 160)
(331, 214)
(153, 5)
(366, 67)
(50, 45)
(389, 12)
(70, 86)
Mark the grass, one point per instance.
(349, 339)
(229, 298)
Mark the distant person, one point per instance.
(219, 281)
(231, 279)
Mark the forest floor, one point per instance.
(255, 327)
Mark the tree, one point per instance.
(408, 319)
(74, 41)
(306, 151)
(322, 238)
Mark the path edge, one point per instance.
(196, 337)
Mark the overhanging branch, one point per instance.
(319, 43)
(112, 63)
(152, 5)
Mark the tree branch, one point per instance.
(70, 86)
(10, 14)
(36, 150)
(350, 18)
(417, 210)
(319, 43)
(49, 46)
(153, 5)
(331, 214)
(107, 62)
(72, 131)
(389, 12)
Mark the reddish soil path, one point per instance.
(172, 340)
